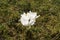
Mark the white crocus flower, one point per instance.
(28, 18)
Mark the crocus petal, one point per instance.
(29, 18)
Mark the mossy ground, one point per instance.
(47, 26)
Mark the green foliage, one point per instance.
(47, 26)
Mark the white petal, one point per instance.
(29, 18)
(32, 22)
(38, 16)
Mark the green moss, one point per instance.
(47, 26)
